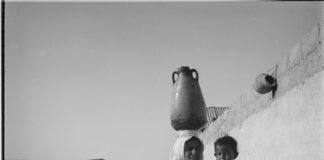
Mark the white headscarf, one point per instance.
(177, 152)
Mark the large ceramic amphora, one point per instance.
(187, 102)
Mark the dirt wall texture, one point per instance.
(287, 123)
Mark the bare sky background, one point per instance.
(93, 80)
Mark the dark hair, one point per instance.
(228, 140)
(195, 138)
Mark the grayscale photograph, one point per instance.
(163, 80)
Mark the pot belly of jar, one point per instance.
(192, 122)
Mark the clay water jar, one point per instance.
(264, 83)
(187, 102)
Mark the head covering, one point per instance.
(177, 152)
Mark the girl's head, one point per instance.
(187, 147)
(193, 149)
(226, 148)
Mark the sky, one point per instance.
(93, 80)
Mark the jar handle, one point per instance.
(195, 71)
(173, 74)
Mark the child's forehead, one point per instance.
(222, 146)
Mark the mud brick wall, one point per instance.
(285, 124)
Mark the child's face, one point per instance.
(224, 152)
(193, 149)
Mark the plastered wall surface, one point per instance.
(290, 129)
(287, 124)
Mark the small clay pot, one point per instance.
(264, 83)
